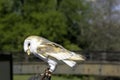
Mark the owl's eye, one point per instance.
(28, 44)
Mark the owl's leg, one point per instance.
(52, 65)
(48, 71)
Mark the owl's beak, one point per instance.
(28, 51)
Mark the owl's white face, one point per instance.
(30, 45)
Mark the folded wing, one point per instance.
(58, 52)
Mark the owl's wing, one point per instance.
(54, 50)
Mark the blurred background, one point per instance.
(88, 27)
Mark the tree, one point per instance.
(56, 20)
(103, 30)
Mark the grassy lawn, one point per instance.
(55, 77)
(21, 77)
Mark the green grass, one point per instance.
(21, 77)
(65, 77)
(55, 77)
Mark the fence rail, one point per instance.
(101, 63)
(101, 55)
(109, 56)
(83, 68)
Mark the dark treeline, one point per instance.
(56, 20)
(76, 25)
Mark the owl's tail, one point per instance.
(74, 57)
(77, 57)
(69, 62)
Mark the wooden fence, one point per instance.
(82, 68)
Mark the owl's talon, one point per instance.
(47, 74)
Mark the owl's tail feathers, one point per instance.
(74, 57)
(69, 62)
(77, 57)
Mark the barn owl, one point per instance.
(50, 52)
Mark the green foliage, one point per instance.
(56, 20)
